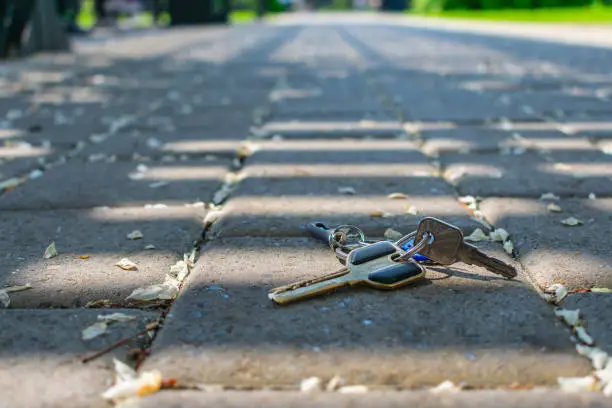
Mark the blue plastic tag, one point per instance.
(416, 257)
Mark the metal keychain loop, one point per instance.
(426, 240)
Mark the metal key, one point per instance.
(445, 245)
(374, 265)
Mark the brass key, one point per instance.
(374, 265)
(446, 247)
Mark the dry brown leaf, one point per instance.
(126, 265)
(397, 196)
(50, 252)
(18, 288)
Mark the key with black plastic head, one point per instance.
(445, 246)
(375, 265)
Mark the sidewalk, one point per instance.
(227, 140)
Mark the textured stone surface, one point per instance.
(40, 361)
(321, 129)
(594, 309)
(83, 185)
(463, 324)
(66, 281)
(577, 257)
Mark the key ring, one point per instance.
(340, 235)
(426, 240)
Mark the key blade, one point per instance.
(293, 293)
(471, 255)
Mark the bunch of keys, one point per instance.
(387, 265)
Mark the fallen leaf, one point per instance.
(347, 190)
(509, 247)
(583, 336)
(353, 389)
(130, 384)
(571, 222)
(34, 174)
(499, 235)
(50, 252)
(136, 234)
(476, 236)
(577, 384)
(445, 386)
(155, 206)
(592, 196)
(180, 270)
(163, 291)
(601, 290)
(18, 288)
(11, 183)
(605, 374)
(5, 300)
(312, 384)
(393, 234)
(93, 331)
(159, 184)
(598, 357)
(571, 317)
(126, 265)
(97, 303)
(549, 196)
(552, 207)
(334, 384)
(412, 210)
(115, 317)
(470, 201)
(80, 256)
(380, 214)
(397, 196)
(150, 246)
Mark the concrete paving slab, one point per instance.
(83, 185)
(66, 280)
(40, 361)
(466, 399)
(567, 174)
(308, 130)
(463, 139)
(594, 310)
(554, 253)
(463, 324)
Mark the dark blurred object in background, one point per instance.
(187, 12)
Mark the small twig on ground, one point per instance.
(119, 343)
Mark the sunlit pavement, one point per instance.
(228, 140)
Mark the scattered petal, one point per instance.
(470, 201)
(476, 236)
(180, 270)
(353, 389)
(130, 384)
(571, 317)
(577, 384)
(598, 357)
(34, 174)
(115, 317)
(549, 196)
(605, 375)
(583, 336)
(92, 304)
(445, 386)
(77, 256)
(592, 196)
(155, 206)
(412, 210)
(159, 184)
(50, 252)
(163, 291)
(392, 234)
(499, 235)
(607, 390)
(397, 196)
(154, 143)
(380, 214)
(509, 247)
(571, 222)
(312, 384)
(150, 246)
(334, 384)
(94, 331)
(11, 183)
(347, 190)
(552, 207)
(136, 234)
(126, 265)
(19, 288)
(557, 293)
(96, 157)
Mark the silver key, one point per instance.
(444, 244)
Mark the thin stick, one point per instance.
(117, 344)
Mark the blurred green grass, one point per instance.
(596, 14)
(87, 17)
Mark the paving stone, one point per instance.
(550, 141)
(550, 101)
(40, 361)
(529, 175)
(464, 324)
(463, 139)
(290, 183)
(355, 115)
(594, 310)
(553, 253)
(66, 281)
(296, 129)
(83, 185)
(484, 399)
